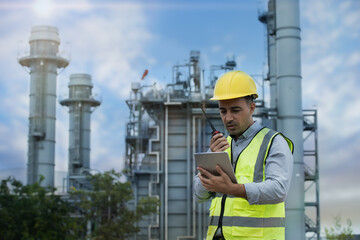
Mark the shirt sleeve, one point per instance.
(278, 172)
(200, 193)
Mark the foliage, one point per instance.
(33, 212)
(338, 232)
(107, 206)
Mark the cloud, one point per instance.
(13, 143)
(330, 70)
(109, 46)
(354, 59)
(107, 43)
(216, 48)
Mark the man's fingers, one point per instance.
(221, 172)
(205, 181)
(216, 137)
(218, 143)
(203, 172)
(223, 148)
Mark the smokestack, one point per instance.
(81, 104)
(289, 105)
(43, 63)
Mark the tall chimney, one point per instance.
(43, 63)
(81, 104)
(289, 106)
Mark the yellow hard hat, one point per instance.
(234, 84)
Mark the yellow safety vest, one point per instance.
(237, 218)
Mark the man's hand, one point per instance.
(218, 143)
(220, 184)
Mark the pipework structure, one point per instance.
(43, 62)
(167, 127)
(81, 104)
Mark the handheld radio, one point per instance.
(214, 131)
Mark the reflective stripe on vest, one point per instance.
(249, 222)
(259, 170)
(241, 220)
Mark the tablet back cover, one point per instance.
(209, 160)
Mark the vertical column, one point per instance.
(272, 53)
(43, 63)
(290, 119)
(80, 103)
(268, 18)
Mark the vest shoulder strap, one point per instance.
(262, 155)
(264, 152)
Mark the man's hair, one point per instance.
(249, 99)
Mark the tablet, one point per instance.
(209, 160)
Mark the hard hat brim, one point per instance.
(217, 98)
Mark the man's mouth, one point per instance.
(230, 127)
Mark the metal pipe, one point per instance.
(136, 198)
(270, 18)
(199, 149)
(193, 172)
(157, 181)
(290, 119)
(188, 167)
(162, 190)
(317, 176)
(166, 170)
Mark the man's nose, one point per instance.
(228, 117)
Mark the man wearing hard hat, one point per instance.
(262, 160)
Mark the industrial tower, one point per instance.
(283, 26)
(283, 36)
(43, 62)
(81, 104)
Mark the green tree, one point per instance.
(107, 207)
(33, 212)
(338, 232)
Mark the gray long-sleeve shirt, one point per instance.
(278, 171)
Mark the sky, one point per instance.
(115, 41)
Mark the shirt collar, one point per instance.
(254, 128)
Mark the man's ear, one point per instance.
(252, 107)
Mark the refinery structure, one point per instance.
(166, 127)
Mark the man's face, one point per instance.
(236, 115)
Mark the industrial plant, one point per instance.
(167, 126)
